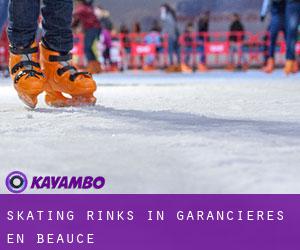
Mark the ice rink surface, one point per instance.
(157, 133)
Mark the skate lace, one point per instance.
(64, 61)
(27, 64)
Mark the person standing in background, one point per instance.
(137, 32)
(153, 38)
(126, 45)
(236, 38)
(106, 42)
(84, 15)
(170, 28)
(104, 18)
(203, 28)
(187, 49)
(277, 24)
(136, 38)
(292, 13)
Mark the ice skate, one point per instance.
(202, 67)
(270, 66)
(94, 67)
(290, 67)
(63, 78)
(186, 68)
(230, 67)
(245, 67)
(148, 68)
(171, 69)
(26, 74)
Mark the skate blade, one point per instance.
(84, 101)
(57, 100)
(59, 103)
(75, 101)
(29, 101)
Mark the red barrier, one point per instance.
(298, 48)
(143, 49)
(4, 54)
(146, 50)
(219, 48)
(78, 50)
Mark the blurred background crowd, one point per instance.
(175, 44)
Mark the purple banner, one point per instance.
(150, 222)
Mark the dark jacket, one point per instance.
(106, 23)
(84, 14)
(203, 25)
(236, 27)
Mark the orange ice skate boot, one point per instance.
(63, 78)
(290, 67)
(186, 68)
(171, 69)
(148, 68)
(94, 67)
(230, 67)
(270, 66)
(245, 67)
(202, 67)
(26, 74)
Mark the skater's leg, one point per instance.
(89, 38)
(243, 56)
(24, 64)
(233, 51)
(202, 55)
(185, 66)
(276, 25)
(3, 13)
(292, 23)
(171, 50)
(266, 40)
(178, 53)
(202, 59)
(23, 22)
(61, 76)
(57, 21)
(187, 55)
(201, 50)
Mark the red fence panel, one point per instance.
(4, 54)
(217, 49)
(78, 50)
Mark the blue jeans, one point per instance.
(90, 36)
(3, 13)
(236, 51)
(292, 23)
(57, 19)
(188, 52)
(173, 48)
(277, 24)
(201, 49)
